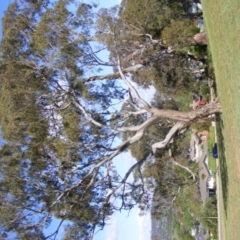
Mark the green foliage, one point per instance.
(172, 77)
(160, 176)
(146, 77)
(153, 17)
(71, 123)
(188, 220)
(42, 39)
(187, 236)
(184, 100)
(205, 92)
(188, 210)
(203, 176)
(178, 33)
(40, 60)
(199, 51)
(142, 147)
(209, 217)
(18, 112)
(201, 126)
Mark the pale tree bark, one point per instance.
(185, 168)
(200, 38)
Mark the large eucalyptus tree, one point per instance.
(60, 121)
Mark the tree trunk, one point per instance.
(192, 116)
(200, 38)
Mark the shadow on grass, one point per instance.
(222, 161)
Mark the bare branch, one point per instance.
(183, 167)
(143, 126)
(131, 87)
(86, 114)
(56, 232)
(173, 200)
(137, 164)
(129, 114)
(168, 137)
(188, 117)
(113, 76)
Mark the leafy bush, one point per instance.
(205, 92)
(209, 216)
(201, 126)
(199, 51)
(177, 33)
(184, 101)
(203, 176)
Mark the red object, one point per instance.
(202, 102)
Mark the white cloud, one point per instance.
(112, 228)
(126, 161)
(147, 94)
(144, 223)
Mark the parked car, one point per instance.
(215, 151)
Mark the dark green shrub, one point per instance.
(204, 89)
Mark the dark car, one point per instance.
(215, 151)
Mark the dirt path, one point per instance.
(203, 173)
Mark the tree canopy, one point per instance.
(59, 118)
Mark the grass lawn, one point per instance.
(222, 21)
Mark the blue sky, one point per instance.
(122, 226)
(3, 6)
(126, 225)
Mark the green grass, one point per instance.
(222, 21)
(184, 101)
(210, 143)
(187, 209)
